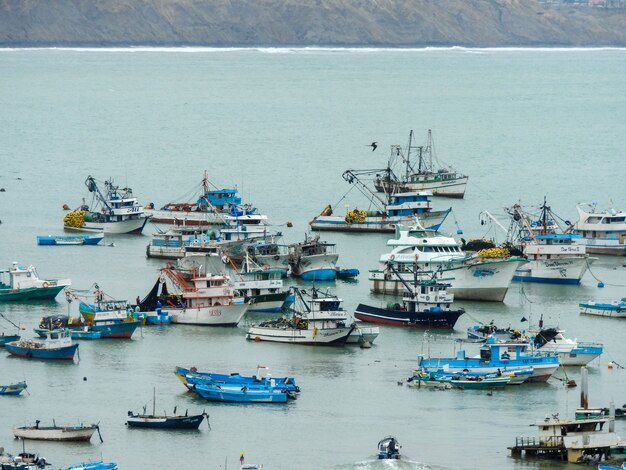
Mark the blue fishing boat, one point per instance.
(60, 348)
(173, 421)
(14, 389)
(350, 273)
(4, 339)
(243, 393)
(53, 324)
(70, 239)
(616, 309)
(191, 377)
(97, 465)
(497, 357)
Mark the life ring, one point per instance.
(427, 298)
(618, 310)
(276, 257)
(45, 284)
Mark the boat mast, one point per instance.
(153, 401)
(408, 157)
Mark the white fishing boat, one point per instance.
(554, 256)
(56, 433)
(471, 277)
(23, 283)
(615, 309)
(570, 351)
(269, 253)
(395, 208)
(363, 334)
(317, 320)
(444, 181)
(313, 260)
(602, 232)
(113, 211)
(207, 299)
(172, 243)
(263, 287)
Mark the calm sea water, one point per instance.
(283, 125)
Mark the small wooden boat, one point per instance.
(174, 421)
(14, 389)
(57, 433)
(243, 393)
(479, 383)
(60, 348)
(70, 239)
(388, 448)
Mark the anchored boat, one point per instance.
(443, 182)
(57, 433)
(395, 208)
(173, 421)
(14, 389)
(23, 283)
(263, 288)
(313, 260)
(616, 309)
(59, 348)
(115, 210)
(316, 321)
(602, 232)
(70, 239)
(191, 377)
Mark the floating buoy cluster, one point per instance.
(74, 218)
(355, 216)
(494, 253)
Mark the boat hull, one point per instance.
(603, 310)
(363, 334)
(553, 271)
(55, 433)
(31, 293)
(486, 281)
(430, 220)
(81, 333)
(184, 218)
(14, 389)
(69, 240)
(241, 394)
(541, 371)
(65, 353)
(321, 267)
(313, 337)
(453, 188)
(8, 339)
(130, 226)
(383, 316)
(268, 302)
(224, 315)
(165, 422)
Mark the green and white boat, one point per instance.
(19, 283)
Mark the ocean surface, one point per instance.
(282, 125)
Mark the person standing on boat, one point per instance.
(391, 448)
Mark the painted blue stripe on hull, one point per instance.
(546, 280)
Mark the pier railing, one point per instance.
(551, 441)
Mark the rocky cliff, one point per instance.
(402, 23)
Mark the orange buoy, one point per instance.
(610, 365)
(257, 339)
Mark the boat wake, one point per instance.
(403, 464)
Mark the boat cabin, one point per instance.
(407, 204)
(21, 277)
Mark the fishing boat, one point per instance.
(443, 181)
(4, 339)
(389, 448)
(269, 253)
(53, 324)
(207, 299)
(313, 260)
(481, 276)
(23, 283)
(602, 232)
(115, 211)
(96, 465)
(463, 380)
(554, 256)
(171, 244)
(13, 389)
(242, 393)
(395, 208)
(57, 433)
(429, 305)
(210, 207)
(263, 288)
(22, 461)
(191, 377)
(497, 357)
(173, 421)
(59, 348)
(317, 320)
(70, 239)
(615, 309)
(112, 318)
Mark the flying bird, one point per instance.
(374, 145)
